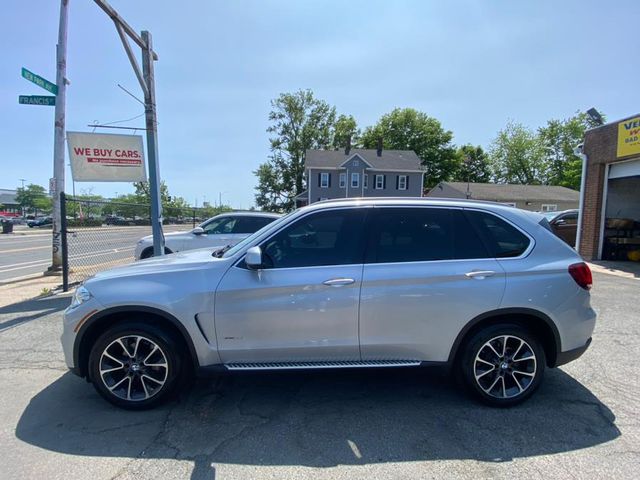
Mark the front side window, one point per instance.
(355, 180)
(324, 180)
(220, 226)
(380, 181)
(502, 239)
(343, 180)
(325, 238)
(422, 234)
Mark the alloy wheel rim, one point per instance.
(505, 366)
(133, 368)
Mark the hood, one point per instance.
(190, 259)
(149, 238)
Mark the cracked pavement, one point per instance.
(385, 423)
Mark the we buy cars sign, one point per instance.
(105, 157)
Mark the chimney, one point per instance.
(347, 148)
(379, 146)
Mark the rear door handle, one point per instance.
(480, 274)
(338, 282)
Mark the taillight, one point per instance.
(581, 273)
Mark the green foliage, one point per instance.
(299, 122)
(559, 138)
(33, 198)
(517, 156)
(473, 165)
(409, 129)
(345, 129)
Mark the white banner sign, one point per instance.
(105, 157)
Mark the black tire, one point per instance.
(502, 381)
(140, 383)
(148, 252)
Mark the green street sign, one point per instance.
(37, 100)
(41, 82)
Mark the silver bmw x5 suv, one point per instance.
(485, 290)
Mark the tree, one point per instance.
(517, 156)
(33, 197)
(345, 130)
(473, 165)
(299, 122)
(409, 129)
(559, 138)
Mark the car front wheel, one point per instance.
(502, 365)
(134, 366)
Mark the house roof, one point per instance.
(389, 160)
(8, 197)
(500, 192)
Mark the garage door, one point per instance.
(624, 169)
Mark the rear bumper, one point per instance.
(571, 355)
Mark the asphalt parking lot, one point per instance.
(582, 423)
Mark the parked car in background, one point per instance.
(483, 290)
(219, 231)
(565, 225)
(41, 222)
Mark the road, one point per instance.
(370, 424)
(90, 249)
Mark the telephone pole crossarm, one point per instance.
(108, 9)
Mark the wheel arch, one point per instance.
(537, 322)
(97, 323)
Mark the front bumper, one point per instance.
(570, 355)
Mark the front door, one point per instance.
(303, 305)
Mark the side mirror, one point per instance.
(253, 258)
(198, 231)
(559, 222)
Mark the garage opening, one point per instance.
(621, 238)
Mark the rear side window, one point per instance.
(422, 234)
(251, 224)
(502, 239)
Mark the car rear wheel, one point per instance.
(502, 365)
(135, 366)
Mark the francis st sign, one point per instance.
(37, 100)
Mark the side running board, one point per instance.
(337, 364)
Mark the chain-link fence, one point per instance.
(100, 234)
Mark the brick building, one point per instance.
(610, 215)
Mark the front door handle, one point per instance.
(338, 282)
(480, 274)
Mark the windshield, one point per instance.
(239, 246)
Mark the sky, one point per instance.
(473, 65)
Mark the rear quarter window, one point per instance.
(502, 239)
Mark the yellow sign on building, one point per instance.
(629, 137)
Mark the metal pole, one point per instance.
(59, 129)
(65, 248)
(152, 145)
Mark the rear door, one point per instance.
(426, 274)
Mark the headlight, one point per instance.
(81, 296)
